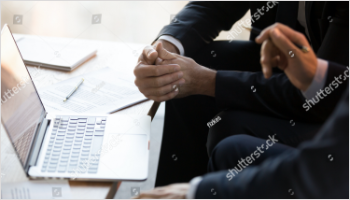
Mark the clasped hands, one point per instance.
(162, 75)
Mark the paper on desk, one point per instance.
(103, 91)
(36, 189)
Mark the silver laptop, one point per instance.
(63, 145)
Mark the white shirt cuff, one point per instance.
(193, 187)
(173, 41)
(319, 79)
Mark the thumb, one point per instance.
(163, 53)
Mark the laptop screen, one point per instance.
(21, 107)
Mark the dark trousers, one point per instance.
(237, 152)
(184, 145)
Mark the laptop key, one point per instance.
(98, 134)
(93, 167)
(88, 138)
(64, 119)
(53, 161)
(65, 156)
(82, 120)
(61, 169)
(91, 120)
(89, 133)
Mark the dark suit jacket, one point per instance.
(316, 169)
(328, 25)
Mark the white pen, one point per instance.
(75, 89)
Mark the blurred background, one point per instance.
(121, 21)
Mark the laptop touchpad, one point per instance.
(125, 156)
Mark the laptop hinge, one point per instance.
(40, 134)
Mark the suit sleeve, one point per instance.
(199, 23)
(277, 96)
(317, 169)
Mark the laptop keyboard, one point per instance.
(75, 145)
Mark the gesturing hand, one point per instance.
(279, 51)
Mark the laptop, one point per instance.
(62, 145)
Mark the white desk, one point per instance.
(118, 56)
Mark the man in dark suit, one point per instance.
(244, 166)
(325, 25)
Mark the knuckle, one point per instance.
(263, 60)
(156, 71)
(156, 82)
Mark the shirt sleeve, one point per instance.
(193, 187)
(173, 41)
(319, 79)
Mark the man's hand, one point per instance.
(198, 79)
(174, 191)
(157, 82)
(279, 51)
